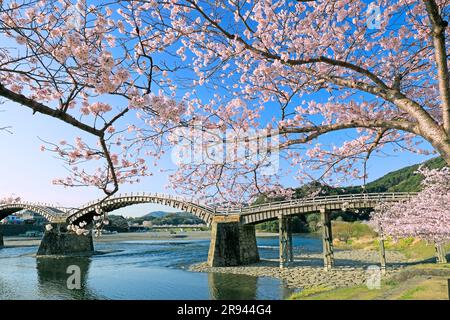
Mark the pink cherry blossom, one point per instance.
(426, 216)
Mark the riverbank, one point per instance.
(307, 270)
(418, 282)
(305, 278)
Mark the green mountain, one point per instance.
(155, 214)
(402, 180)
(162, 218)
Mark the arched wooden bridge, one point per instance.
(249, 214)
(270, 211)
(233, 237)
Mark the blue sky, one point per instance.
(27, 172)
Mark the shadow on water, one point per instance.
(225, 286)
(54, 274)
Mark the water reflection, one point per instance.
(53, 275)
(226, 286)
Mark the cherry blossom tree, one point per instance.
(308, 69)
(426, 216)
(299, 71)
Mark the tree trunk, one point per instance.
(446, 153)
(440, 142)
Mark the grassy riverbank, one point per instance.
(420, 282)
(421, 278)
(358, 235)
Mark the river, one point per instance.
(144, 269)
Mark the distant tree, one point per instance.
(117, 223)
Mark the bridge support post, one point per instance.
(1, 240)
(440, 253)
(232, 243)
(58, 241)
(283, 241)
(382, 256)
(327, 239)
(290, 243)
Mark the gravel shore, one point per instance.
(307, 270)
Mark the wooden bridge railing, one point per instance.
(391, 196)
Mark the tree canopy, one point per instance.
(238, 73)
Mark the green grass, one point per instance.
(360, 292)
(412, 249)
(357, 235)
(428, 266)
(416, 285)
(409, 294)
(348, 230)
(308, 292)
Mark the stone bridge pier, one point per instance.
(58, 241)
(232, 243)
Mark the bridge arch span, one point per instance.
(49, 213)
(87, 212)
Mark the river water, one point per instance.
(148, 269)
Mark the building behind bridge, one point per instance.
(25, 217)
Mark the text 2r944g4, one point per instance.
(230, 309)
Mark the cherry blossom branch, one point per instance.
(322, 129)
(41, 108)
